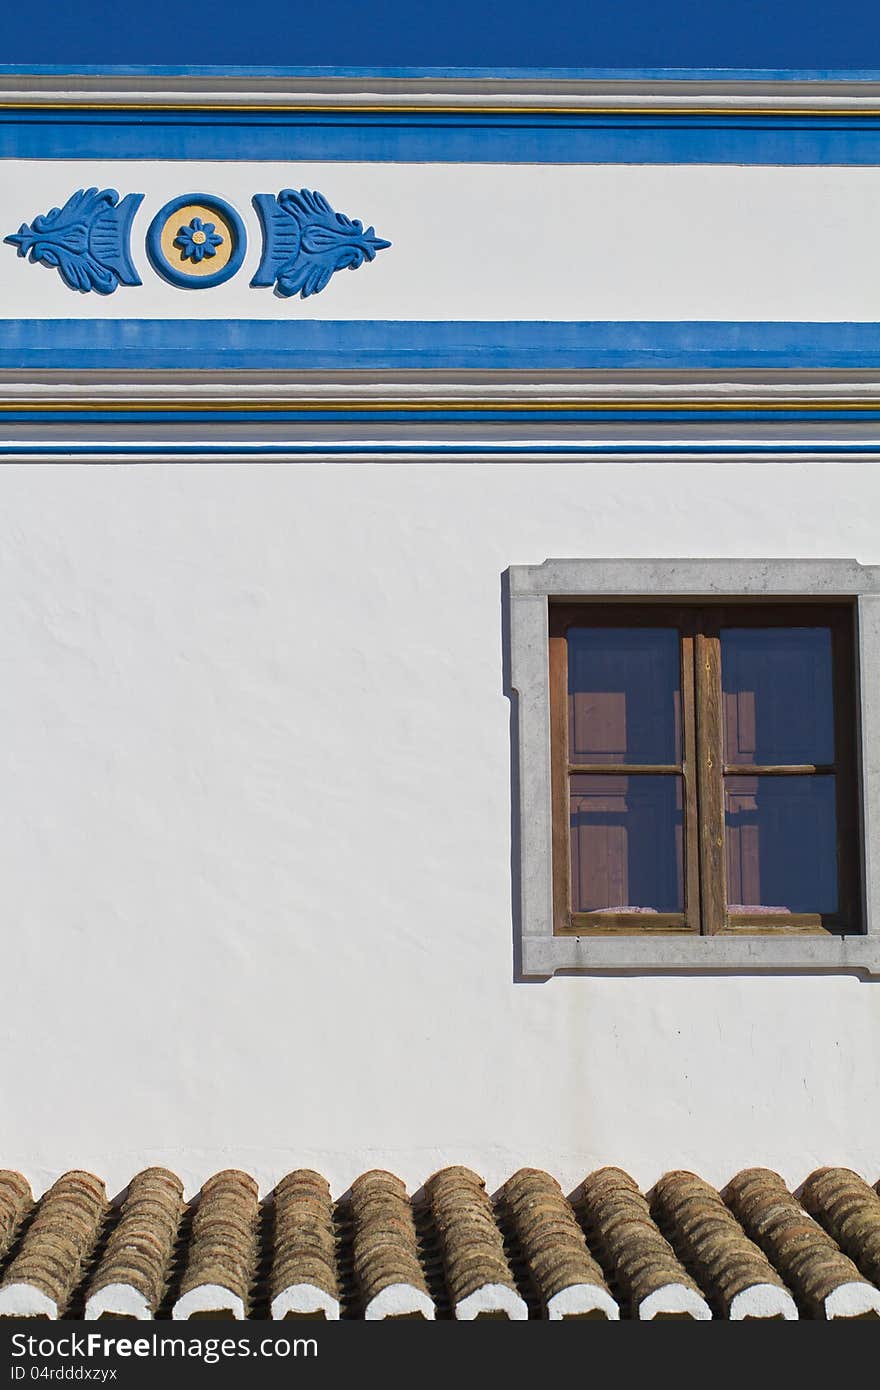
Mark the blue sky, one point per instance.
(825, 34)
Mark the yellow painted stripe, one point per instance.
(426, 407)
(444, 110)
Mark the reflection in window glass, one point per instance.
(778, 697)
(781, 837)
(626, 844)
(624, 700)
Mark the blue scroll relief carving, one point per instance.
(87, 240)
(305, 242)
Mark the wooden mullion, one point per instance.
(779, 770)
(790, 923)
(710, 780)
(623, 769)
(846, 786)
(559, 788)
(626, 923)
(690, 777)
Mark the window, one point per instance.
(698, 764)
(703, 768)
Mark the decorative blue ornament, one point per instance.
(305, 242)
(198, 240)
(87, 240)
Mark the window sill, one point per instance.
(546, 956)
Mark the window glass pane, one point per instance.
(626, 844)
(778, 701)
(624, 695)
(781, 843)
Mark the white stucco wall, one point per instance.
(255, 799)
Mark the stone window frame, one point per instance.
(530, 588)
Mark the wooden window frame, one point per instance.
(702, 767)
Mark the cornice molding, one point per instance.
(513, 90)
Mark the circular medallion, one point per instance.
(196, 241)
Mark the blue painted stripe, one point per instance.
(440, 137)
(383, 448)
(414, 416)
(574, 74)
(384, 345)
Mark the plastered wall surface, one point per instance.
(497, 242)
(255, 798)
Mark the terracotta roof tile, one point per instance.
(684, 1251)
(569, 1282)
(222, 1256)
(16, 1201)
(302, 1280)
(735, 1275)
(54, 1249)
(850, 1212)
(645, 1272)
(478, 1274)
(133, 1270)
(385, 1249)
(825, 1282)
